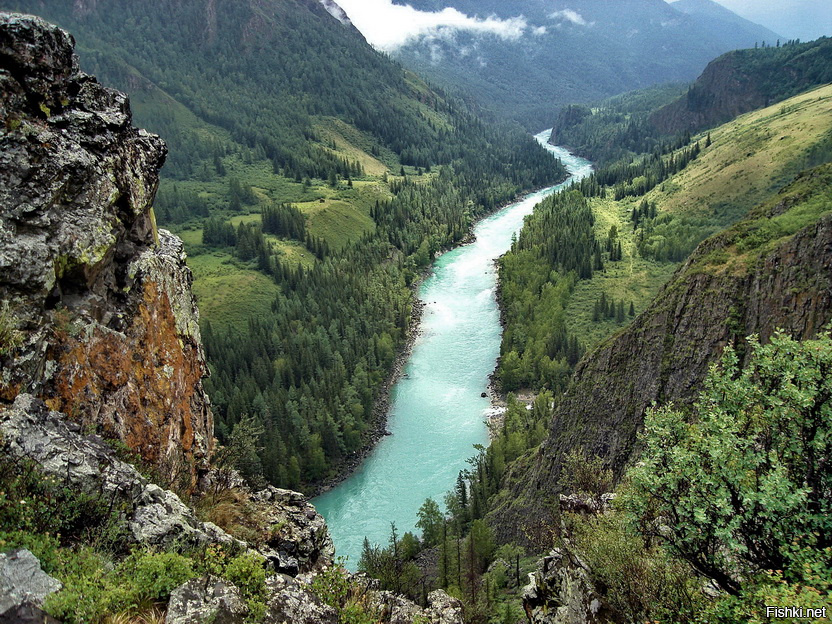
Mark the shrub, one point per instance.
(742, 483)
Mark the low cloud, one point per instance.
(570, 16)
(388, 26)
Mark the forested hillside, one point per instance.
(312, 179)
(735, 83)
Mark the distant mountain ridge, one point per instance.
(725, 22)
(574, 51)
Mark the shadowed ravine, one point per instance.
(437, 412)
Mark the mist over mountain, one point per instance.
(572, 51)
(803, 19)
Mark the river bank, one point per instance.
(381, 408)
(439, 402)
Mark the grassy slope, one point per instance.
(750, 158)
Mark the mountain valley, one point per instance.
(254, 292)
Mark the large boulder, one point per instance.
(302, 541)
(22, 581)
(291, 601)
(206, 599)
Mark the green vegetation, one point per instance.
(646, 214)
(615, 128)
(556, 248)
(635, 123)
(81, 539)
(741, 482)
(10, 336)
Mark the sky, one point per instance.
(794, 19)
(388, 26)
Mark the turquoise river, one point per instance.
(437, 412)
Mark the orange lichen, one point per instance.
(143, 385)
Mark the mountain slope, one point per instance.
(744, 80)
(726, 24)
(771, 269)
(570, 52)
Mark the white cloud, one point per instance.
(569, 15)
(388, 26)
(540, 30)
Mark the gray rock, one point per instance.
(206, 599)
(155, 516)
(22, 581)
(396, 609)
(302, 542)
(561, 592)
(291, 602)
(443, 609)
(27, 614)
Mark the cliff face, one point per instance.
(97, 306)
(745, 80)
(741, 282)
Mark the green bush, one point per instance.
(94, 587)
(638, 578)
(740, 484)
(247, 573)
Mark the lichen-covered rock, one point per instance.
(22, 581)
(102, 299)
(206, 599)
(560, 592)
(443, 609)
(301, 541)
(154, 516)
(291, 602)
(396, 609)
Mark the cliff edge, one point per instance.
(97, 313)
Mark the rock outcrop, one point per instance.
(303, 542)
(561, 592)
(22, 581)
(208, 599)
(154, 517)
(299, 540)
(98, 300)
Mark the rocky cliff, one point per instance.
(745, 80)
(772, 270)
(97, 309)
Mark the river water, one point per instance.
(437, 412)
